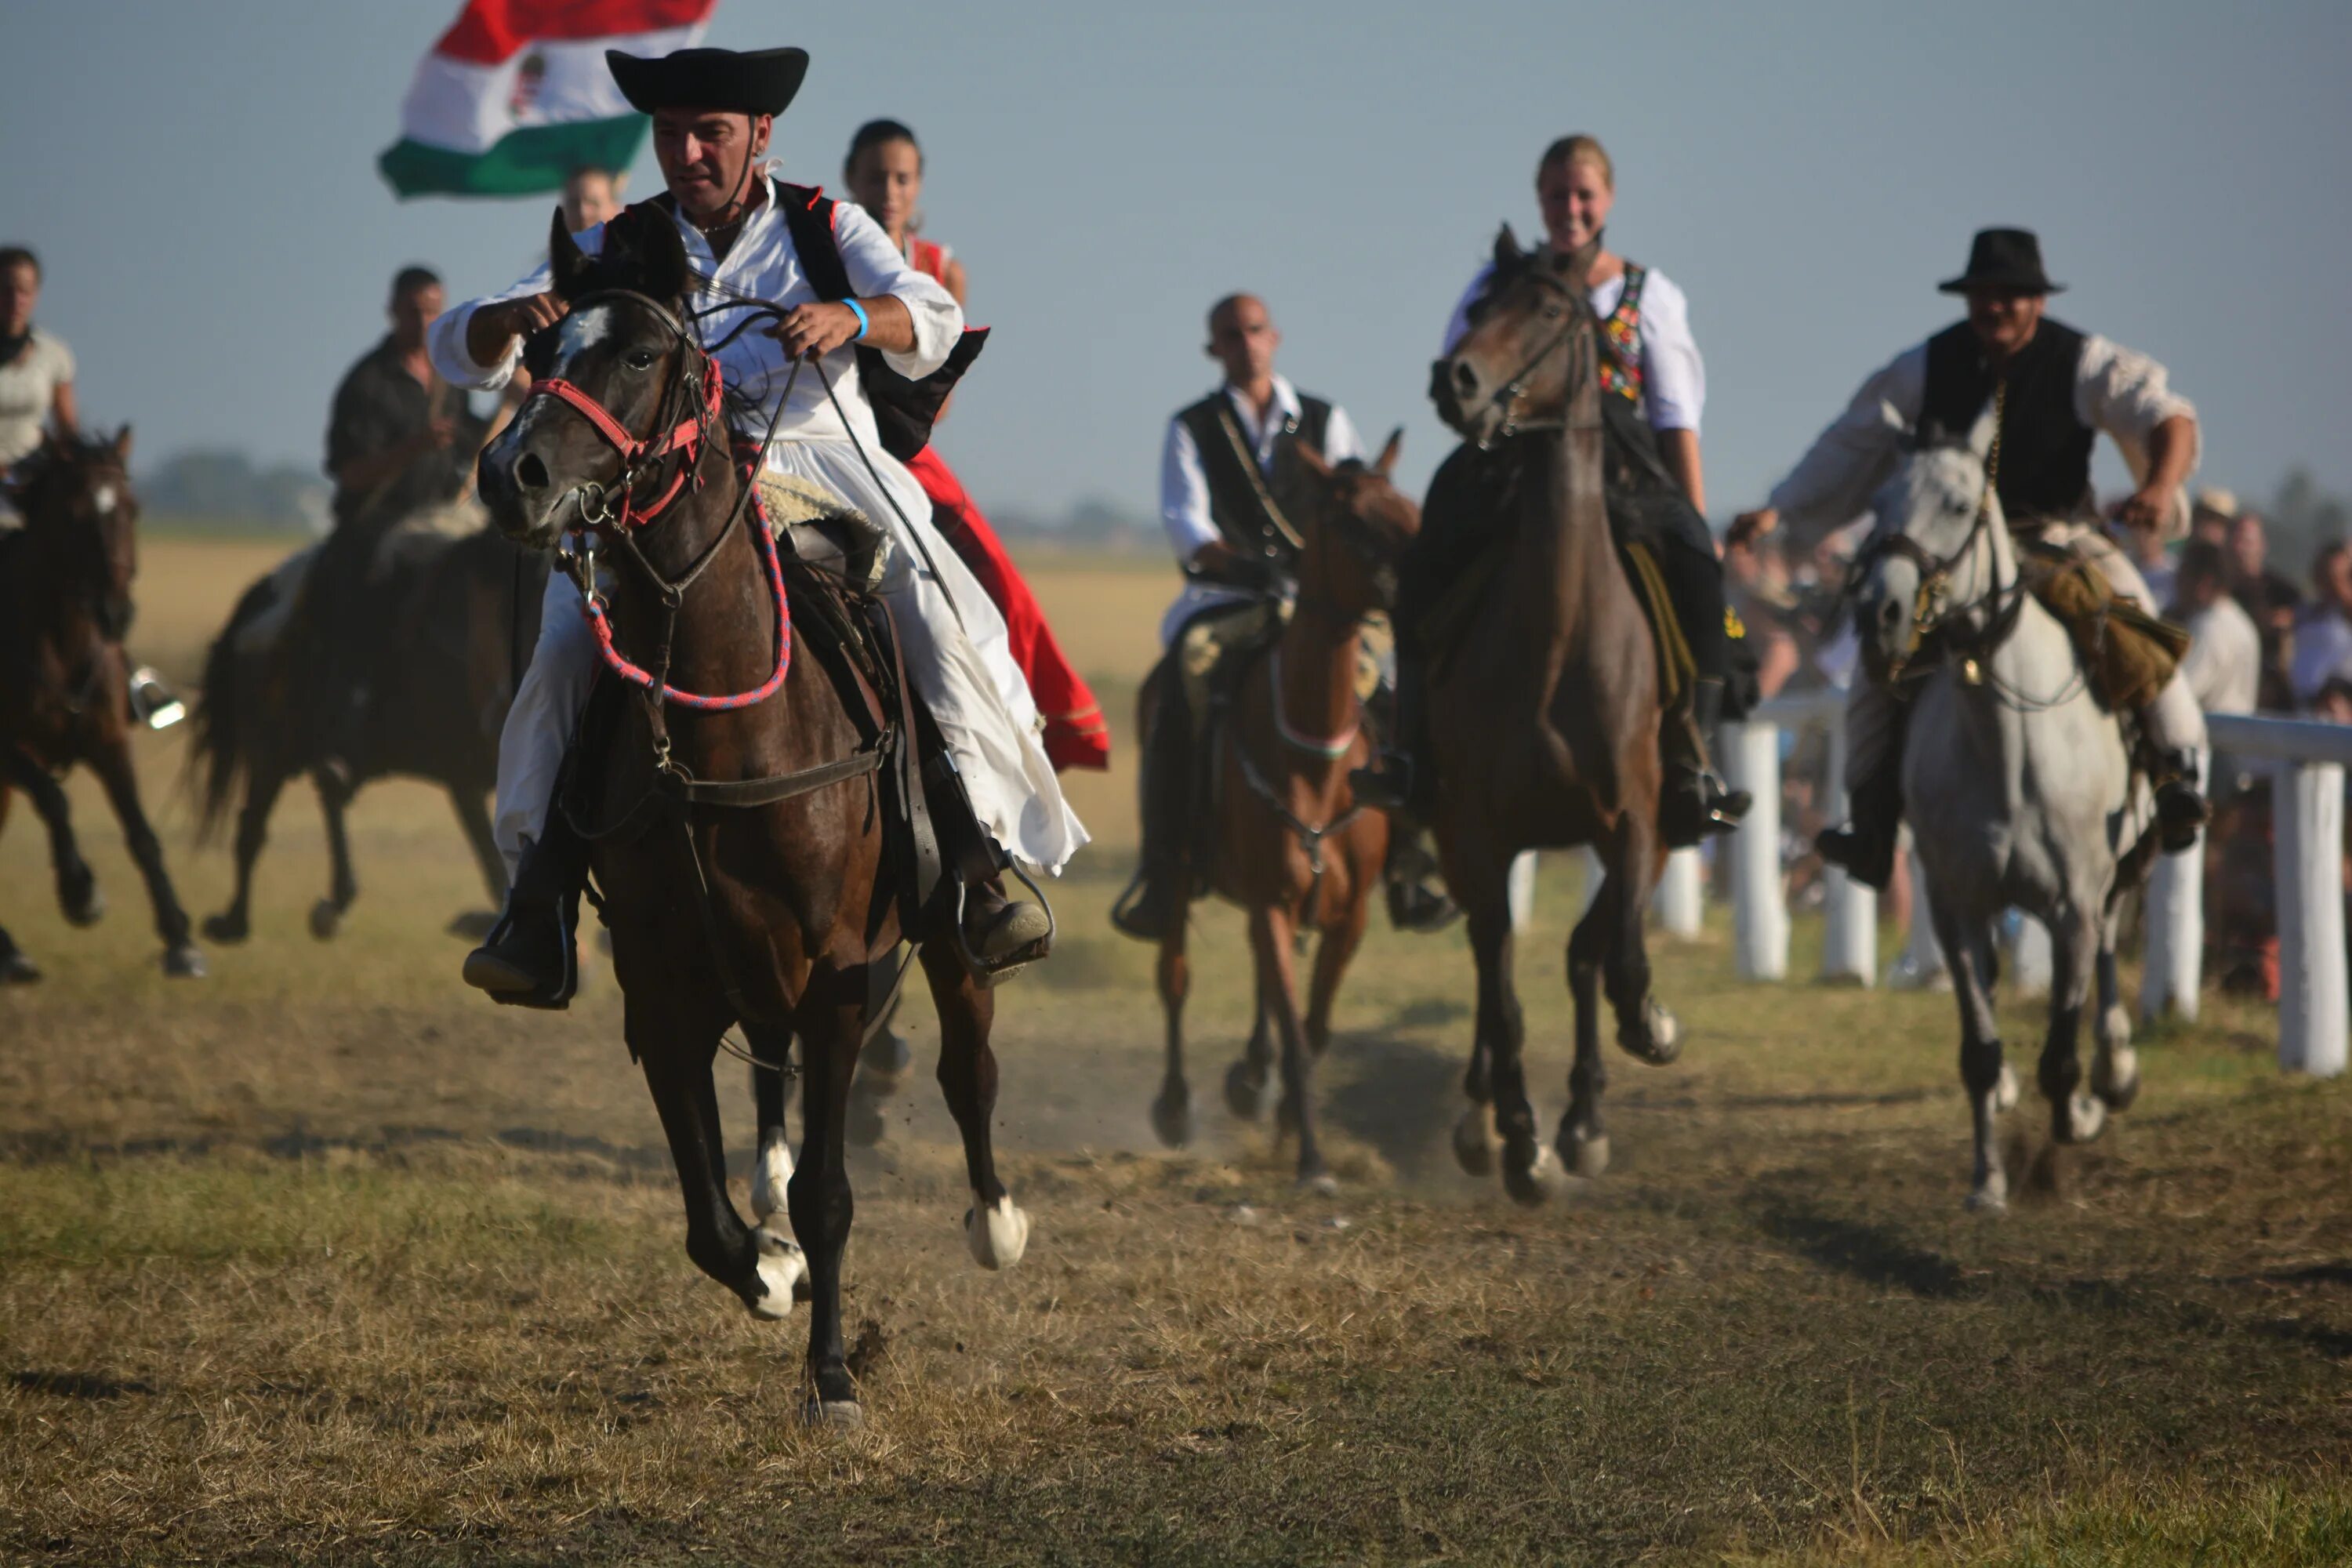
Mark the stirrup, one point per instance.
(513, 975)
(1865, 859)
(1697, 806)
(989, 972)
(1141, 911)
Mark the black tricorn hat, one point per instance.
(2008, 258)
(755, 81)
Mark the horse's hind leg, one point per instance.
(15, 969)
(78, 893)
(1530, 1167)
(758, 1265)
(2115, 1070)
(995, 1228)
(1645, 1029)
(772, 1155)
(1583, 1142)
(2076, 1117)
(1172, 1108)
(334, 796)
(1249, 1082)
(235, 923)
(1987, 1080)
(112, 763)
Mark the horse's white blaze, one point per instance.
(782, 1267)
(103, 498)
(582, 330)
(770, 1172)
(998, 1233)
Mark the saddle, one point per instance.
(2127, 654)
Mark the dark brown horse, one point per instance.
(440, 670)
(1544, 716)
(1289, 844)
(65, 606)
(781, 916)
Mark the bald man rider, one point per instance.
(1229, 476)
(745, 235)
(2057, 389)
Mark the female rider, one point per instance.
(884, 172)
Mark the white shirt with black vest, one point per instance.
(1184, 504)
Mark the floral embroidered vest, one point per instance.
(1621, 340)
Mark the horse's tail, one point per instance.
(222, 726)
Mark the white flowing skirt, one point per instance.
(958, 657)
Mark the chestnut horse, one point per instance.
(1544, 717)
(1290, 844)
(65, 606)
(762, 891)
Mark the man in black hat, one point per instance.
(2059, 389)
(844, 288)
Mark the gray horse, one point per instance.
(2017, 782)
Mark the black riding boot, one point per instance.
(1155, 899)
(1418, 901)
(998, 935)
(530, 959)
(2182, 812)
(1697, 802)
(1866, 844)
(1404, 778)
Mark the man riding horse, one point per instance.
(1230, 481)
(712, 111)
(1655, 386)
(2051, 390)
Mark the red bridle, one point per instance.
(686, 440)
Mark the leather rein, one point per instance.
(1506, 396)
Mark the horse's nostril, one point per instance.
(1890, 612)
(1465, 380)
(530, 472)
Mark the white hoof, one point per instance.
(2004, 1093)
(835, 1414)
(2117, 1026)
(2085, 1118)
(1540, 1182)
(997, 1236)
(2115, 1078)
(772, 1171)
(781, 1268)
(1989, 1197)
(1588, 1157)
(1323, 1183)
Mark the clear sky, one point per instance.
(200, 181)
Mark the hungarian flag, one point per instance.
(515, 96)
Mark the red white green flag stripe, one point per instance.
(515, 96)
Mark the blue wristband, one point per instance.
(863, 322)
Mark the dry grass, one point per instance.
(320, 1260)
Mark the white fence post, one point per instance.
(1849, 910)
(1680, 897)
(1521, 888)
(1761, 917)
(2031, 960)
(2173, 960)
(2307, 823)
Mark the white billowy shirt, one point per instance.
(2115, 390)
(2223, 665)
(762, 264)
(1674, 376)
(1184, 486)
(28, 392)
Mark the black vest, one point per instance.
(2045, 447)
(1254, 510)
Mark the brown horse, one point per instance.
(763, 889)
(441, 669)
(1290, 844)
(1545, 714)
(65, 606)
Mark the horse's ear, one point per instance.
(122, 445)
(1385, 464)
(567, 264)
(1314, 461)
(663, 269)
(1507, 253)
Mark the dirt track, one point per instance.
(321, 1259)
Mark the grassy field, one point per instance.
(323, 1258)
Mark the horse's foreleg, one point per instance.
(1171, 1110)
(995, 1228)
(1529, 1168)
(1584, 1141)
(112, 763)
(1989, 1085)
(1250, 1080)
(1274, 953)
(78, 893)
(771, 1155)
(262, 784)
(831, 1023)
(2115, 1070)
(1645, 1029)
(2076, 1117)
(758, 1265)
(327, 914)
